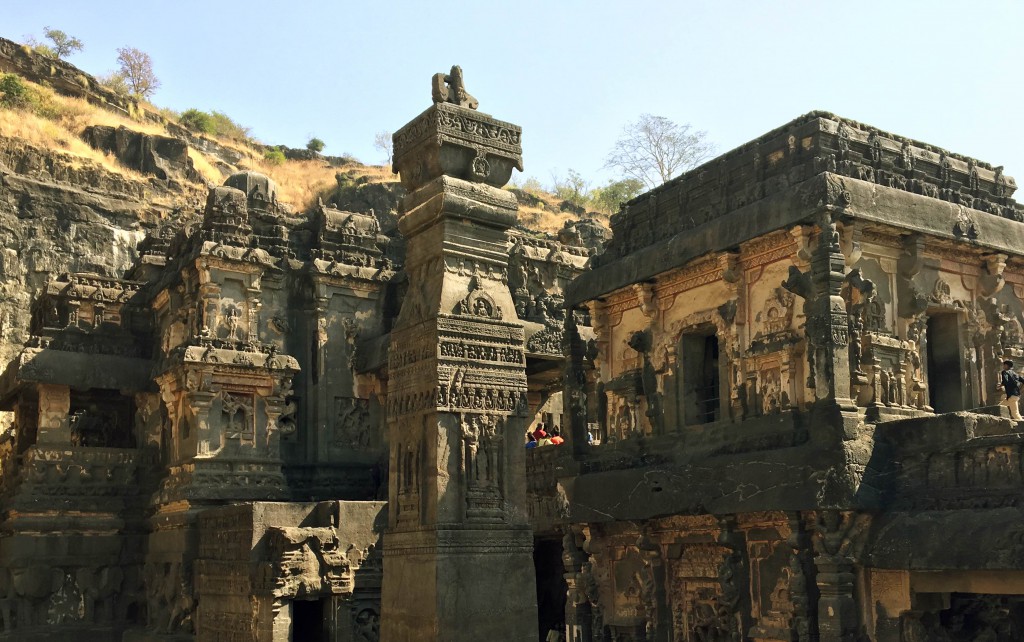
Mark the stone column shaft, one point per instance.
(458, 562)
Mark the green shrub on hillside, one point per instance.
(14, 93)
(215, 123)
(198, 121)
(224, 126)
(274, 157)
(315, 145)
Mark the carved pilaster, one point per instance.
(734, 577)
(578, 613)
(837, 538)
(828, 331)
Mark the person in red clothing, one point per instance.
(542, 436)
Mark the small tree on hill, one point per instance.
(573, 188)
(611, 197)
(63, 44)
(137, 68)
(654, 149)
(315, 145)
(115, 82)
(383, 143)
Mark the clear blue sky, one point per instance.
(572, 73)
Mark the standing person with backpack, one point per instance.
(1010, 382)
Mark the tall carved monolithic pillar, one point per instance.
(458, 554)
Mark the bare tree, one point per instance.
(654, 149)
(63, 44)
(383, 143)
(137, 69)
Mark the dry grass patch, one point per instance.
(49, 134)
(205, 168)
(378, 173)
(299, 183)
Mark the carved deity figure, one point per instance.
(470, 446)
(238, 412)
(489, 443)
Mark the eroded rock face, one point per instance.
(164, 157)
(61, 213)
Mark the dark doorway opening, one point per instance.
(551, 587)
(945, 388)
(701, 381)
(308, 622)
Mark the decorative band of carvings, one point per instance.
(465, 398)
(479, 549)
(481, 352)
(767, 249)
(456, 542)
(617, 307)
(445, 123)
(689, 279)
(492, 329)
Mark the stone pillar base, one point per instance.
(459, 585)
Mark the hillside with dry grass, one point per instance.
(40, 116)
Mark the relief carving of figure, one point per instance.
(238, 416)
(470, 431)
(367, 626)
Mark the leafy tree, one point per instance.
(63, 44)
(383, 143)
(197, 120)
(315, 145)
(573, 188)
(137, 68)
(654, 149)
(115, 82)
(611, 197)
(274, 157)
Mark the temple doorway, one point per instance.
(700, 378)
(551, 587)
(308, 621)
(945, 385)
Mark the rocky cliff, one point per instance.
(62, 213)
